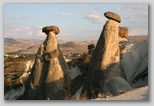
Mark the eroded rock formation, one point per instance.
(105, 62)
(49, 78)
(123, 34)
(115, 86)
(135, 60)
(91, 48)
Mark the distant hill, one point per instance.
(11, 41)
(22, 46)
(137, 39)
(19, 46)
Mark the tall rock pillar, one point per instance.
(105, 62)
(49, 78)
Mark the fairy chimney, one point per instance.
(105, 61)
(91, 48)
(49, 78)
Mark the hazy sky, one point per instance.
(76, 21)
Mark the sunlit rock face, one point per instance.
(123, 34)
(49, 78)
(105, 62)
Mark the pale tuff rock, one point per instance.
(110, 53)
(123, 34)
(26, 73)
(74, 72)
(14, 94)
(50, 74)
(116, 85)
(125, 47)
(140, 94)
(135, 61)
(105, 62)
(122, 40)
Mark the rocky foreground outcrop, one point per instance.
(134, 60)
(49, 78)
(16, 73)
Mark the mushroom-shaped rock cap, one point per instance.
(47, 29)
(114, 16)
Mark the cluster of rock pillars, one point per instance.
(50, 79)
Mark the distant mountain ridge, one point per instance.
(22, 46)
(137, 39)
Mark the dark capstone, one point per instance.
(91, 46)
(113, 16)
(47, 29)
